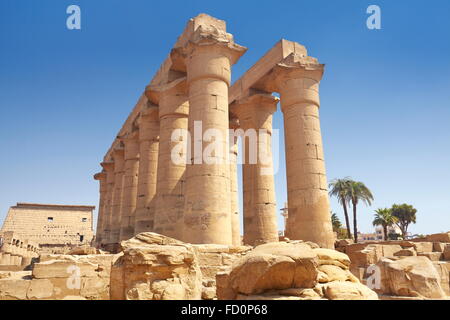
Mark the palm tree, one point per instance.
(339, 188)
(335, 222)
(384, 218)
(358, 192)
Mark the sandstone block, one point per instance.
(439, 237)
(423, 246)
(406, 253)
(344, 290)
(433, 256)
(410, 276)
(154, 267)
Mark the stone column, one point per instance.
(255, 117)
(118, 156)
(108, 167)
(130, 182)
(235, 219)
(173, 113)
(208, 58)
(309, 211)
(148, 161)
(101, 176)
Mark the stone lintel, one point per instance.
(294, 66)
(263, 66)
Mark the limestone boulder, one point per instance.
(443, 268)
(155, 267)
(410, 277)
(275, 266)
(291, 271)
(344, 290)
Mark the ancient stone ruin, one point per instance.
(51, 228)
(169, 229)
(143, 189)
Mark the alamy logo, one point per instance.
(374, 280)
(74, 280)
(374, 20)
(73, 21)
(214, 146)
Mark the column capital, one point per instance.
(207, 38)
(107, 165)
(296, 66)
(100, 176)
(118, 157)
(296, 78)
(150, 111)
(254, 102)
(171, 98)
(131, 142)
(200, 56)
(154, 92)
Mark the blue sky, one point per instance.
(385, 96)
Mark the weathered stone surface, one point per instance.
(423, 246)
(439, 237)
(444, 273)
(439, 246)
(58, 276)
(50, 227)
(433, 256)
(40, 289)
(83, 250)
(343, 290)
(446, 253)
(410, 276)
(406, 253)
(275, 266)
(149, 271)
(291, 271)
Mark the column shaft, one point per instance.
(148, 161)
(101, 177)
(117, 196)
(173, 112)
(107, 221)
(260, 221)
(234, 196)
(208, 205)
(308, 202)
(130, 183)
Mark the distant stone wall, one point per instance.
(16, 251)
(51, 225)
